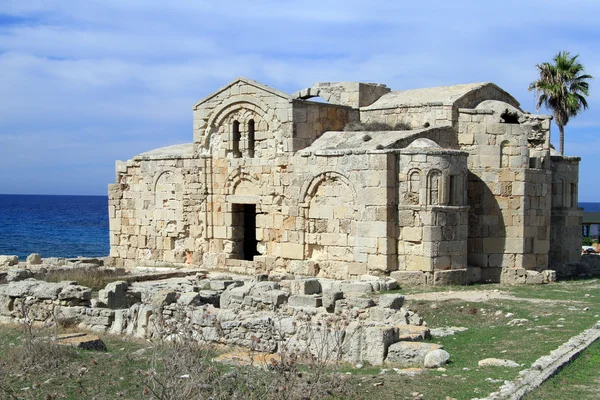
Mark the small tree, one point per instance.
(562, 88)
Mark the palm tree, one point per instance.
(562, 88)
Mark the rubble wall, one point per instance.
(347, 319)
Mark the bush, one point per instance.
(587, 241)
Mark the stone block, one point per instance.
(293, 251)
(221, 285)
(473, 275)
(305, 286)
(114, 295)
(377, 342)
(393, 301)
(513, 276)
(15, 275)
(413, 333)
(410, 278)
(360, 302)
(305, 301)
(330, 297)
(409, 354)
(356, 287)
(549, 276)
(449, 277)
(82, 341)
(491, 275)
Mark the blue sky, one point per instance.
(85, 83)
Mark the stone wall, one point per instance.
(567, 217)
(347, 319)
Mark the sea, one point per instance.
(54, 226)
(67, 226)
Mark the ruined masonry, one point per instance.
(458, 185)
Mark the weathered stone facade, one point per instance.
(459, 184)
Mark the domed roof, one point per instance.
(423, 143)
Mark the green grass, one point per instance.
(550, 323)
(577, 380)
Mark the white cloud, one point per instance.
(113, 77)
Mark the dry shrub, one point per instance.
(96, 280)
(375, 127)
(182, 368)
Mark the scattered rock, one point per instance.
(8, 261)
(393, 301)
(447, 331)
(497, 362)
(410, 353)
(34, 259)
(436, 358)
(517, 322)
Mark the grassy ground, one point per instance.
(557, 312)
(578, 380)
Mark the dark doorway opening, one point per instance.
(245, 214)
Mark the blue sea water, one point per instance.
(590, 207)
(67, 226)
(54, 226)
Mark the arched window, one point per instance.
(235, 139)
(434, 187)
(505, 154)
(414, 187)
(251, 138)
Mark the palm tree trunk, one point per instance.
(561, 129)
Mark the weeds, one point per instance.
(96, 280)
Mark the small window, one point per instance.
(251, 138)
(414, 187)
(505, 154)
(573, 195)
(434, 188)
(235, 139)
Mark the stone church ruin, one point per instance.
(439, 185)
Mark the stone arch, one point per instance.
(434, 187)
(242, 110)
(239, 178)
(168, 224)
(413, 187)
(309, 189)
(330, 222)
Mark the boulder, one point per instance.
(8, 261)
(409, 354)
(75, 293)
(34, 259)
(436, 358)
(393, 301)
(15, 275)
